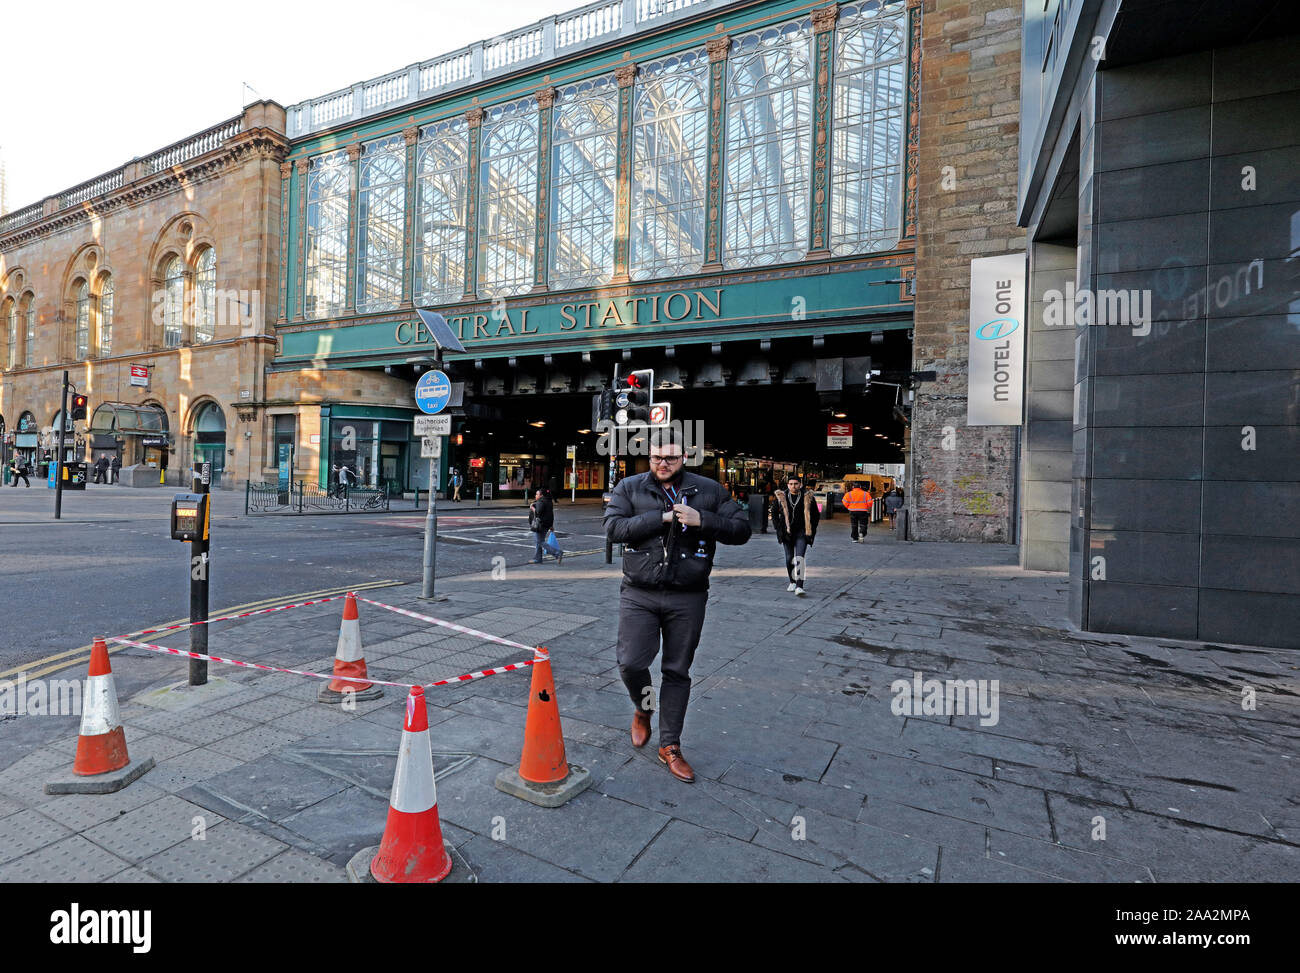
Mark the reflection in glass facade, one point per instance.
(381, 218)
(584, 139)
(768, 140)
(442, 175)
(205, 296)
(107, 294)
(508, 199)
(83, 320)
(325, 289)
(669, 166)
(867, 140)
(173, 302)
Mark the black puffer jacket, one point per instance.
(660, 555)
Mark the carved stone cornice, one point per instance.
(546, 97)
(354, 151)
(718, 47)
(625, 75)
(302, 165)
(823, 18)
(286, 170)
(412, 134)
(474, 117)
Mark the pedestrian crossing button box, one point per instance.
(190, 517)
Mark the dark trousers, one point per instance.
(24, 477)
(795, 547)
(860, 519)
(644, 615)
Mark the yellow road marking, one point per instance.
(82, 654)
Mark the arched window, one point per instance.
(381, 224)
(82, 332)
(29, 318)
(205, 296)
(10, 316)
(107, 293)
(584, 158)
(867, 136)
(442, 168)
(326, 288)
(508, 199)
(769, 136)
(173, 302)
(670, 166)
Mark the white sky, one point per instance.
(88, 86)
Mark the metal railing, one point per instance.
(533, 44)
(178, 153)
(302, 498)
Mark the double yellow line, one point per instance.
(81, 656)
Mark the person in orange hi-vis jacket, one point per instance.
(858, 503)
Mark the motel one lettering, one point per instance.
(610, 312)
(995, 389)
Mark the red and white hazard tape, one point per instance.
(226, 618)
(326, 675)
(539, 654)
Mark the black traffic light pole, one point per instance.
(199, 563)
(58, 470)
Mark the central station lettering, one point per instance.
(613, 312)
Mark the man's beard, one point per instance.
(668, 475)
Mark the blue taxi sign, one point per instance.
(433, 392)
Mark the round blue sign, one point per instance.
(432, 392)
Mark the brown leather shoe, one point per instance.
(677, 765)
(640, 728)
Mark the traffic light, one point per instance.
(78, 410)
(633, 394)
(603, 405)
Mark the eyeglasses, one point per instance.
(664, 460)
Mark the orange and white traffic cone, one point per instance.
(413, 849)
(102, 764)
(349, 661)
(101, 747)
(545, 777)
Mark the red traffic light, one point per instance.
(78, 410)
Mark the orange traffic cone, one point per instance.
(412, 849)
(545, 776)
(101, 747)
(349, 661)
(101, 765)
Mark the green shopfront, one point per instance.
(727, 200)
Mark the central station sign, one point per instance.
(779, 303)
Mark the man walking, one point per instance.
(18, 468)
(858, 503)
(670, 522)
(114, 466)
(794, 516)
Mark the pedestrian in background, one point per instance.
(670, 522)
(18, 468)
(858, 503)
(541, 516)
(794, 518)
(114, 467)
(893, 501)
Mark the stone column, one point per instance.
(354, 231)
(819, 213)
(542, 233)
(474, 119)
(626, 75)
(718, 48)
(412, 136)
